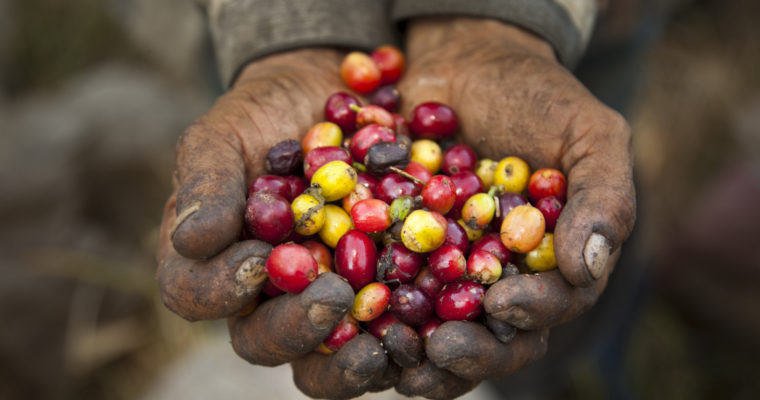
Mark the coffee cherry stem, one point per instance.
(407, 175)
(354, 107)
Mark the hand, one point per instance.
(204, 273)
(513, 98)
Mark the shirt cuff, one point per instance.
(565, 24)
(244, 30)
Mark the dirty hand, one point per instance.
(203, 271)
(514, 98)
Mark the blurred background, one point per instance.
(94, 93)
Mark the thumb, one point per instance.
(601, 207)
(210, 181)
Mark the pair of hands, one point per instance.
(512, 98)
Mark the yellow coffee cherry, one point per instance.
(427, 153)
(337, 223)
(472, 234)
(478, 210)
(542, 257)
(423, 231)
(523, 228)
(322, 134)
(336, 179)
(485, 170)
(512, 173)
(309, 214)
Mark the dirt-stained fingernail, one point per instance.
(324, 315)
(250, 276)
(183, 215)
(355, 378)
(596, 253)
(514, 315)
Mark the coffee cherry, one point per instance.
(297, 185)
(456, 235)
(336, 179)
(347, 328)
(428, 283)
(284, 158)
(360, 72)
(368, 136)
(373, 114)
(423, 231)
(379, 326)
(492, 244)
(337, 223)
(467, 184)
(291, 267)
(460, 301)
(371, 215)
(268, 217)
(411, 305)
(427, 153)
(522, 229)
(512, 173)
(368, 181)
(384, 156)
(390, 61)
(321, 254)
(338, 111)
(483, 267)
(427, 329)
(447, 263)
(322, 134)
(270, 184)
(478, 210)
(387, 97)
(418, 171)
(458, 158)
(320, 156)
(402, 127)
(507, 201)
(371, 302)
(472, 234)
(356, 258)
(433, 120)
(550, 207)
(547, 182)
(439, 194)
(309, 214)
(401, 207)
(398, 264)
(358, 194)
(393, 186)
(542, 257)
(485, 169)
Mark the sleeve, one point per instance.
(566, 24)
(243, 30)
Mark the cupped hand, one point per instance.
(205, 273)
(513, 97)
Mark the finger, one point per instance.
(214, 288)
(470, 351)
(211, 186)
(601, 207)
(387, 380)
(543, 300)
(289, 326)
(404, 345)
(348, 373)
(432, 382)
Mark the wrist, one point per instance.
(461, 34)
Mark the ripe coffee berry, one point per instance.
(291, 267)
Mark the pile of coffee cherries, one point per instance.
(414, 222)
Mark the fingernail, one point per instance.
(355, 378)
(596, 253)
(323, 316)
(250, 276)
(183, 215)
